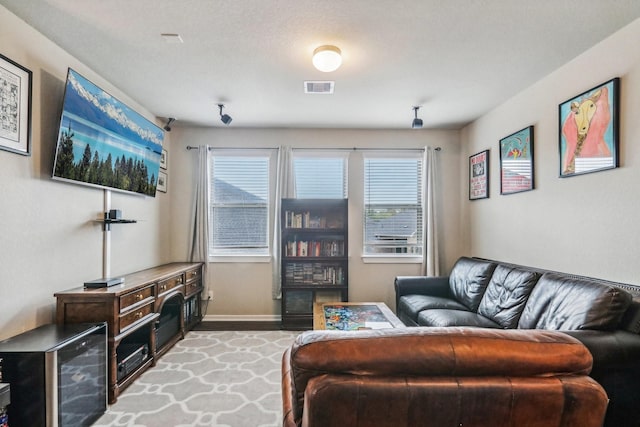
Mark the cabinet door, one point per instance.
(298, 302)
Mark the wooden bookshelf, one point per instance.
(314, 240)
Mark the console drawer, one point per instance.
(192, 288)
(132, 299)
(130, 318)
(193, 275)
(170, 283)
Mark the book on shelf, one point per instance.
(307, 220)
(314, 274)
(314, 248)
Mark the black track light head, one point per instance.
(417, 123)
(167, 127)
(226, 119)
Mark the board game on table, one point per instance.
(353, 316)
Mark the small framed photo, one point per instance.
(164, 159)
(162, 182)
(15, 107)
(516, 162)
(588, 131)
(479, 175)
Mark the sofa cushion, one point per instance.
(412, 305)
(506, 295)
(564, 302)
(388, 377)
(443, 317)
(469, 279)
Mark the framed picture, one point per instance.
(162, 182)
(479, 175)
(15, 107)
(588, 129)
(516, 162)
(164, 159)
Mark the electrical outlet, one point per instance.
(210, 295)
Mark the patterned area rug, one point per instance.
(211, 378)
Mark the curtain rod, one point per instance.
(191, 147)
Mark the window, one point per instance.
(393, 204)
(239, 204)
(320, 175)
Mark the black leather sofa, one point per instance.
(603, 315)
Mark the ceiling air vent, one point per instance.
(321, 87)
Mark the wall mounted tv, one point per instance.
(105, 144)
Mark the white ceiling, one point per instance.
(455, 58)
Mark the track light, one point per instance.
(167, 127)
(417, 123)
(226, 119)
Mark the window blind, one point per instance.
(239, 205)
(392, 205)
(320, 177)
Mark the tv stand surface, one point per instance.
(133, 312)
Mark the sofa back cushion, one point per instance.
(507, 294)
(565, 302)
(469, 279)
(393, 361)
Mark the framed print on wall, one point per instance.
(15, 107)
(162, 182)
(588, 131)
(516, 162)
(479, 175)
(164, 159)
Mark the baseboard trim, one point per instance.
(239, 323)
(241, 318)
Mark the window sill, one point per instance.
(249, 259)
(398, 259)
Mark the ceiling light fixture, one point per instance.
(167, 127)
(417, 123)
(226, 119)
(327, 58)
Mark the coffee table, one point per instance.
(352, 316)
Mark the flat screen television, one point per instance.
(105, 144)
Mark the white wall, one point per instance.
(48, 238)
(244, 289)
(583, 224)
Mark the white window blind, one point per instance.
(320, 175)
(239, 204)
(393, 204)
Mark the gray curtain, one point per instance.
(199, 251)
(285, 188)
(430, 250)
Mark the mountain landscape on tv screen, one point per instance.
(103, 142)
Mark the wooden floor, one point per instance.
(238, 326)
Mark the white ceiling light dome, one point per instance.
(327, 58)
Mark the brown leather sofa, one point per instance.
(439, 377)
(603, 315)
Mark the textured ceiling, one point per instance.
(455, 58)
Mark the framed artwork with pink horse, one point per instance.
(589, 125)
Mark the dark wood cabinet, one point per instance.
(314, 239)
(146, 315)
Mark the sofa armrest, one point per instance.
(423, 285)
(289, 396)
(610, 349)
(616, 368)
